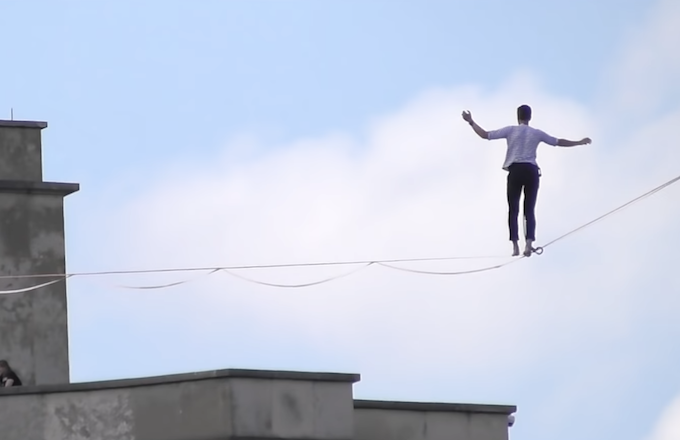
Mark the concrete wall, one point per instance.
(235, 405)
(33, 325)
(21, 150)
(227, 404)
(376, 420)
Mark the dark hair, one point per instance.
(524, 113)
(5, 364)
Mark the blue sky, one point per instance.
(280, 69)
(208, 133)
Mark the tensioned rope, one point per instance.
(625, 205)
(365, 263)
(539, 250)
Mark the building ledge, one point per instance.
(23, 124)
(186, 377)
(32, 187)
(434, 407)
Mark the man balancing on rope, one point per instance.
(523, 171)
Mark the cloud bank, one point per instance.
(416, 183)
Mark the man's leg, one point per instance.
(531, 184)
(514, 191)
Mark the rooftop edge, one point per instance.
(33, 187)
(175, 378)
(23, 124)
(436, 407)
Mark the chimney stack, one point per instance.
(33, 323)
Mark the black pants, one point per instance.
(522, 176)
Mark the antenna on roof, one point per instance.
(11, 111)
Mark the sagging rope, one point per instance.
(365, 264)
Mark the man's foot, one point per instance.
(515, 249)
(528, 249)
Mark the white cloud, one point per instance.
(668, 425)
(646, 74)
(419, 184)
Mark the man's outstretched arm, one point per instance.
(479, 130)
(568, 143)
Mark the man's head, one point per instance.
(523, 114)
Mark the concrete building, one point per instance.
(215, 405)
(34, 325)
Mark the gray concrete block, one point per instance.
(235, 405)
(20, 153)
(389, 425)
(251, 407)
(15, 311)
(196, 410)
(488, 426)
(156, 412)
(448, 425)
(204, 410)
(333, 411)
(430, 421)
(33, 325)
(293, 409)
(23, 418)
(50, 335)
(105, 415)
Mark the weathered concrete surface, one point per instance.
(227, 404)
(375, 420)
(21, 150)
(291, 409)
(33, 325)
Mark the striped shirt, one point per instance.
(522, 143)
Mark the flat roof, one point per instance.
(33, 187)
(23, 124)
(434, 407)
(185, 377)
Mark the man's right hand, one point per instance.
(467, 116)
(585, 141)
